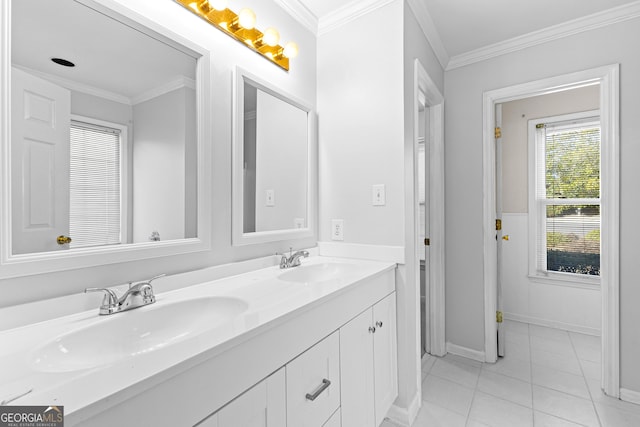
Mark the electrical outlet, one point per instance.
(378, 195)
(270, 197)
(337, 229)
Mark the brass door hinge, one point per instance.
(498, 317)
(427, 242)
(498, 224)
(498, 132)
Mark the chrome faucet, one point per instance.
(293, 260)
(136, 296)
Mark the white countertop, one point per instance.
(269, 300)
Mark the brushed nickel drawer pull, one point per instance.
(325, 385)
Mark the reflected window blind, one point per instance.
(94, 185)
(568, 197)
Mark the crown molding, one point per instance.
(347, 13)
(300, 13)
(175, 84)
(429, 29)
(555, 32)
(78, 87)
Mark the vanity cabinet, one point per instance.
(313, 384)
(263, 405)
(368, 362)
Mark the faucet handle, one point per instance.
(156, 277)
(110, 299)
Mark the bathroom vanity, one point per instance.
(313, 345)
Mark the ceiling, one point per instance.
(467, 25)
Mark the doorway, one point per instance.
(607, 79)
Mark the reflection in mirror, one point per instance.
(275, 162)
(103, 130)
(272, 177)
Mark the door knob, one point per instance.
(63, 240)
(505, 237)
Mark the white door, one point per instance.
(385, 362)
(499, 234)
(40, 121)
(356, 371)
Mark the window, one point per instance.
(564, 208)
(95, 183)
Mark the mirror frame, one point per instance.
(239, 237)
(37, 263)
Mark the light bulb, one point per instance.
(218, 4)
(271, 36)
(247, 18)
(291, 50)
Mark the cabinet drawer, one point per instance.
(313, 384)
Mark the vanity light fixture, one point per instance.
(241, 26)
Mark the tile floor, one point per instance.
(548, 378)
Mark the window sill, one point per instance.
(568, 280)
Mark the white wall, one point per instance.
(568, 307)
(360, 99)
(159, 163)
(226, 53)
(463, 89)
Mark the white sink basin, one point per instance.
(131, 333)
(317, 273)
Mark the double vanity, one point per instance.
(314, 345)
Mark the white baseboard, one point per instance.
(355, 250)
(405, 416)
(553, 324)
(630, 396)
(458, 350)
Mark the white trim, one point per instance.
(355, 250)
(175, 84)
(300, 13)
(469, 353)
(76, 86)
(31, 264)
(630, 396)
(347, 13)
(425, 21)
(608, 78)
(427, 93)
(565, 29)
(553, 324)
(405, 417)
(238, 236)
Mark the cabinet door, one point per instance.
(313, 384)
(356, 364)
(385, 356)
(261, 406)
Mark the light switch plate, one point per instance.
(270, 197)
(378, 195)
(337, 229)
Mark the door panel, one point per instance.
(40, 122)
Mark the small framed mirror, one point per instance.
(274, 158)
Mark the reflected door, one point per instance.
(40, 123)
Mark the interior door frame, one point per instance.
(427, 96)
(609, 80)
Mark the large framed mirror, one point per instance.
(104, 137)
(274, 158)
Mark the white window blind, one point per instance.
(94, 185)
(567, 197)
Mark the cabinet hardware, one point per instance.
(372, 330)
(313, 396)
(379, 324)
